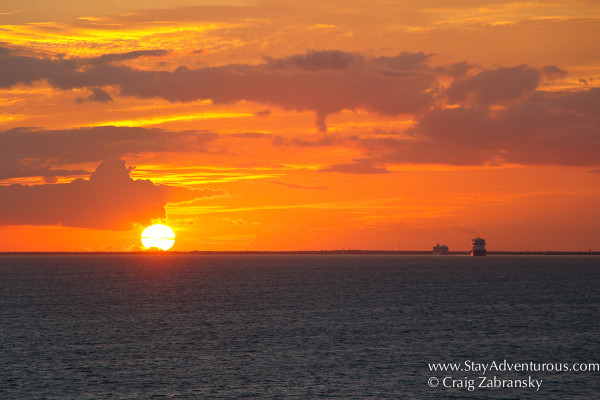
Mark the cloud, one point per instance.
(553, 72)
(317, 86)
(250, 135)
(107, 58)
(23, 69)
(11, 168)
(551, 128)
(263, 114)
(32, 152)
(325, 82)
(296, 186)
(495, 86)
(405, 61)
(463, 125)
(320, 140)
(110, 199)
(69, 73)
(457, 70)
(582, 102)
(314, 60)
(98, 95)
(539, 128)
(497, 114)
(357, 167)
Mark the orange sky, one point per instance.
(300, 125)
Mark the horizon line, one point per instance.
(282, 252)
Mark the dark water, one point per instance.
(343, 327)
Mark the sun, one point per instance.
(158, 236)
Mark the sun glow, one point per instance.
(158, 236)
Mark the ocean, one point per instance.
(299, 326)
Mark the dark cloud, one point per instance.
(11, 167)
(458, 126)
(320, 140)
(405, 61)
(110, 199)
(31, 152)
(325, 82)
(263, 114)
(357, 167)
(495, 86)
(106, 58)
(250, 135)
(314, 60)
(499, 114)
(553, 72)
(296, 186)
(98, 95)
(69, 73)
(23, 69)
(457, 70)
(581, 102)
(324, 91)
(552, 128)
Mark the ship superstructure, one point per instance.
(440, 250)
(478, 247)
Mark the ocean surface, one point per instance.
(297, 326)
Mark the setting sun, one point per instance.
(158, 236)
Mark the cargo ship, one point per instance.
(440, 250)
(478, 247)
